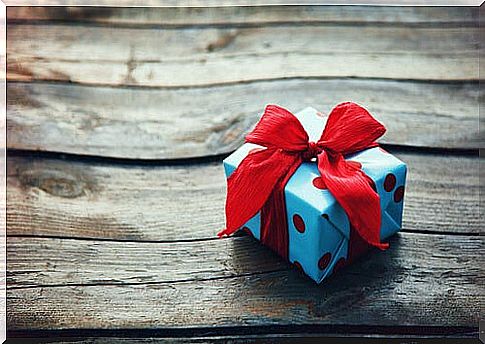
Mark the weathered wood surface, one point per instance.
(182, 202)
(130, 246)
(208, 56)
(260, 15)
(44, 262)
(179, 123)
(422, 275)
(50, 262)
(219, 3)
(446, 336)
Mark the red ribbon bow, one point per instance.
(258, 182)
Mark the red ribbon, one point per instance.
(258, 182)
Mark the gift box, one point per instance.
(320, 237)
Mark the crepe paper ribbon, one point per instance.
(258, 182)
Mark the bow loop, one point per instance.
(350, 128)
(279, 128)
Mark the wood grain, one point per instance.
(43, 262)
(208, 56)
(262, 15)
(181, 123)
(219, 3)
(122, 246)
(422, 275)
(466, 336)
(186, 202)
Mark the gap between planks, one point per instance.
(247, 16)
(134, 87)
(418, 25)
(236, 235)
(250, 334)
(108, 160)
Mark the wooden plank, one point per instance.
(425, 280)
(208, 56)
(185, 202)
(307, 338)
(219, 3)
(180, 123)
(43, 262)
(263, 15)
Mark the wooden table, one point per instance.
(118, 119)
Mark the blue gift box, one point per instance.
(319, 230)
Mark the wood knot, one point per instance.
(56, 183)
(221, 42)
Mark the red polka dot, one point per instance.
(399, 194)
(324, 261)
(355, 164)
(319, 183)
(389, 182)
(339, 264)
(299, 223)
(298, 266)
(320, 114)
(247, 231)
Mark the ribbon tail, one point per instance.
(274, 222)
(350, 187)
(250, 185)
